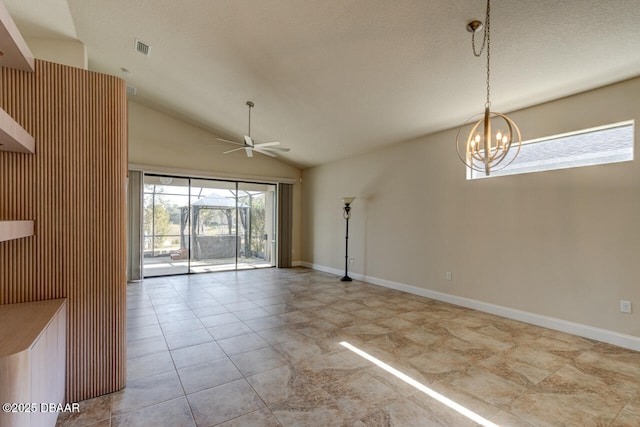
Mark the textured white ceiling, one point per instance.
(42, 18)
(334, 78)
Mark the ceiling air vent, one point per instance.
(142, 47)
(131, 90)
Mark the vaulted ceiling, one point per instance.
(334, 78)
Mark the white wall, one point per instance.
(61, 51)
(163, 143)
(563, 244)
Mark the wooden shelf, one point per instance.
(15, 52)
(13, 137)
(10, 230)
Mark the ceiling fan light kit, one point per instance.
(249, 146)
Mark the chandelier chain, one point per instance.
(477, 53)
(488, 41)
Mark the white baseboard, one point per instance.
(296, 264)
(621, 340)
(327, 269)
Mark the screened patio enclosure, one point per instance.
(199, 225)
(218, 245)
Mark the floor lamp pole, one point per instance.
(346, 213)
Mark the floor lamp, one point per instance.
(346, 214)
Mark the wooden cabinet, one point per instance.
(32, 361)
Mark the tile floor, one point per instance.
(262, 348)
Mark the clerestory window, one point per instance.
(595, 146)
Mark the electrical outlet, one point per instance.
(625, 306)
(448, 275)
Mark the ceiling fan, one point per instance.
(249, 146)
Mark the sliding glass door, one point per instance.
(214, 227)
(257, 208)
(202, 225)
(165, 222)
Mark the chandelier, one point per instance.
(481, 150)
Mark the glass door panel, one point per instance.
(214, 226)
(166, 225)
(256, 212)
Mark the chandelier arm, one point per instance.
(476, 155)
(458, 152)
(470, 165)
(512, 126)
(471, 153)
(476, 168)
(500, 156)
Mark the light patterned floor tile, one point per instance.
(223, 403)
(262, 348)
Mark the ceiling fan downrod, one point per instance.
(250, 104)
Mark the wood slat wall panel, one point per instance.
(73, 187)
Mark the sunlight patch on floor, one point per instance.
(419, 386)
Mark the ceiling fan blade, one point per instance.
(275, 148)
(249, 151)
(267, 144)
(248, 141)
(266, 153)
(231, 151)
(230, 142)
